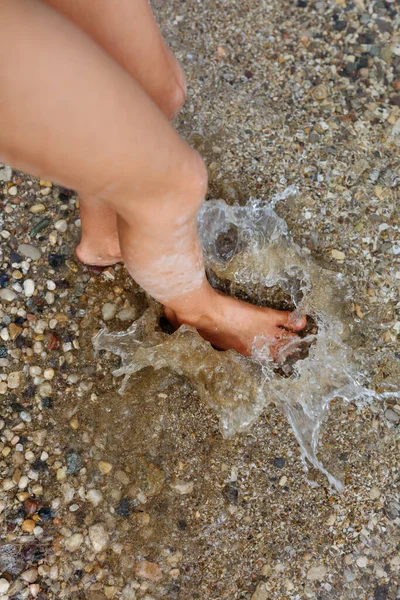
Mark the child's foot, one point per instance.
(105, 254)
(233, 324)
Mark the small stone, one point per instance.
(48, 374)
(349, 575)
(183, 487)
(29, 251)
(4, 586)
(7, 295)
(279, 462)
(5, 175)
(28, 526)
(261, 592)
(129, 593)
(381, 592)
(338, 255)
(109, 311)
(105, 467)
(14, 380)
(30, 576)
(37, 208)
(95, 497)
(148, 570)
(14, 331)
(13, 190)
(231, 492)
(98, 537)
(4, 280)
(30, 506)
(320, 93)
(61, 225)
(362, 562)
(317, 573)
(374, 493)
(74, 423)
(283, 481)
(56, 260)
(391, 416)
(126, 314)
(124, 508)
(74, 542)
(29, 287)
(74, 463)
(39, 437)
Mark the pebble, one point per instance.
(338, 255)
(4, 586)
(99, 537)
(374, 493)
(14, 380)
(5, 173)
(105, 467)
(29, 251)
(74, 542)
(48, 374)
(29, 287)
(183, 487)
(148, 570)
(349, 575)
(316, 573)
(28, 525)
(61, 225)
(362, 562)
(109, 311)
(37, 208)
(391, 416)
(126, 314)
(13, 190)
(7, 295)
(30, 576)
(261, 592)
(95, 497)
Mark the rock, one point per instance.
(30, 507)
(74, 542)
(99, 537)
(148, 570)
(14, 331)
(127, 314)
(28, 525)
(13, 190)
(183, 487)
(338, 255)
(124, 508)
(39, 437)
(362, 562)
(279, 462)
(56, 260)
(95, 497)
(109, 311)
(30, 576)
(29, 251)
(349, 575)
(7, 295)
(231, 492)
(61, 225)
(46, 513)
(4, 586)
(74, 463)
(5, 175)
(316, 573)
(261, 592)
(4, 280)
(392, 416)
(37, 208)
(320, 93)
(374, 493)
(29, 287)
(14, 380)
(129, 593)
(105, 467)
(381, 592)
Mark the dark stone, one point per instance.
(56, 260)
(47, 402)
(302, 3)
(381, 592)
(40, 466)
(384, 26)
(340, 25)
(343, 457)
(231, 492)
(30, 391)
(32, 553)
(74, 462)
(46, 513)
(395, 100)
(4, 279)
(124, 508)
(182, 524)
(248, 74)
(362, 63)
(279, 462)
(3, 352)
(15, 258)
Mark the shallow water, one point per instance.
(250, 254)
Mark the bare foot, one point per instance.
(104, 254)
(233, 324)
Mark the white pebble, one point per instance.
(13, 190)
(74, 542)
(29, 287)
(95, 497)
(98, 537)
(5, 173)
(4, 586)
(109, 311)
(50, 298)
(50, 285)
(48, 374)
(7, 295)
(29, 251)
(61, 225)
(5, 336)
(362, 561)
(53, 237)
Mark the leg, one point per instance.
(109, 141)
(128, 32)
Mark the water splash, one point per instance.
(250, 254)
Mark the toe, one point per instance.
(290, 321)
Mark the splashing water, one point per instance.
(249, 253)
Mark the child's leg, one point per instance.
(69, 113)
(127, 30)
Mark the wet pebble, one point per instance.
(29, 287)
(109, 311)
(56, 260)
(61, 225)
(29, 251)
(98, 537)
(7, 295)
